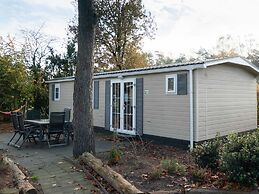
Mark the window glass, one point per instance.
(57, 92)
(170, 84)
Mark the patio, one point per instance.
(54, 172)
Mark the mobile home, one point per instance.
(181, 103)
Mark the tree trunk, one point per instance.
(23, 184)
(83, 118)
(112, 177)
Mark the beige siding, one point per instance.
(66, 97)
(99, 114)
(66, 100)
(164, 115)
(226, 101)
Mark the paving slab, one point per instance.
(50, 166)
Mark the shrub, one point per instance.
(207, 154)
(198, 175)
(156, 174)
(172, 166)
(115, 155)
(34, 178)
(240, 158)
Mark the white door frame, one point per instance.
(122, 130)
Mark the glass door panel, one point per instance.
(128, 106)
(116, 90)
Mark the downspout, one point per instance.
(191, 107)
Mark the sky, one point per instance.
(183, 26)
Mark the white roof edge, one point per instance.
(59, 80)
(234, 60)
(143, 72)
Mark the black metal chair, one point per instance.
(67, 112)
(33, 114)
(57, 129)
(68, 124)
(15, 126)
(27, 132)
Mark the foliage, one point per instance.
(36, 48)
(122, 26)
(173, 166)
(34, 178)
(198, 175)
(115, 155)
(240, 158)
(156, 174)
(15, 83)
(207, 154)
(253, 56)
(62, 65)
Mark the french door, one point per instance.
(123, 106)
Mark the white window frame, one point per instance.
(55, 97)
(174, 76)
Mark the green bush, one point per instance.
(34, 178)
(198, 175)
(207, 154)
(156, 174)
(240, 158)
(115, 155)
(173, 166)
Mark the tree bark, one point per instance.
(112, 177)
(83, 118)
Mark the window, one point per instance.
(57, 92)
(171, 84)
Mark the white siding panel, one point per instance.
(227, 100)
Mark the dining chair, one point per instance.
(67, 112)
(15, 126)
(56, 128)
(33, 114)
(27, 132)
(68, 123)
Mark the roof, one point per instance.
(166, 68)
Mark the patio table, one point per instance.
(42, 123)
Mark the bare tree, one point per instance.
(36, 48)
(83, 117)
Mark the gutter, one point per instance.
(191, 107)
